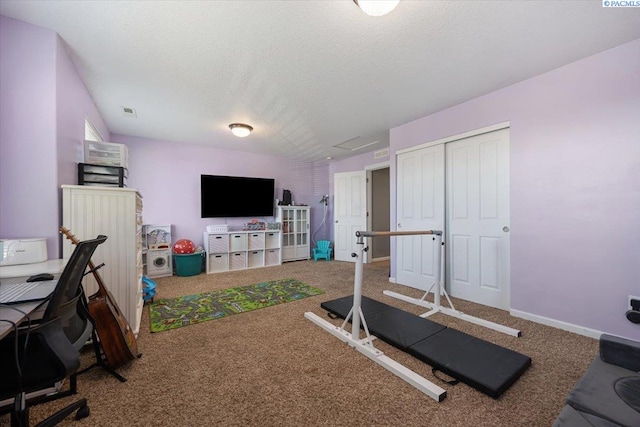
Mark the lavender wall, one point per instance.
(575, 188)
(43, 104)
(28, 196)
(167, 174)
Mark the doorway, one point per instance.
(362, 202)
(379, 208)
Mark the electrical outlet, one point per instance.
(631, 297)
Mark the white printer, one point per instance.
(22, 258)
(22, 251)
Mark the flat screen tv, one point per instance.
(235, 196)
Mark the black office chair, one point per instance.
(48, 353)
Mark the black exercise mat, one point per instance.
(485, 366)
(341, 306)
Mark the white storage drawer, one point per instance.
(106, 153)
(272, 257)
(256, 240)
(272, 240)
(256, 259)
(237, 242)
(238, 260)
(218, 262)
(218, 243)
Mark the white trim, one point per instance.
(576, 329)
(377, 166)
(393, 280)
(469, 134)
(95, 134)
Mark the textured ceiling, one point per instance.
(310, 75)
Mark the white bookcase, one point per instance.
(116, 213)
(295, 232)
(240, 250)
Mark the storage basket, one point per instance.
(106, 153)
(218, 228)
(188, 264)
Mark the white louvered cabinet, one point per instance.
(117, 214)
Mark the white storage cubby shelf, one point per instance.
(240, 250)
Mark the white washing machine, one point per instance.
(159, 263)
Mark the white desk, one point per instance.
(20, 273)
(34, 310)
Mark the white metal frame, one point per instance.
(365, 345)
(439, 290)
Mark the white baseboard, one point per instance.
(576, 329)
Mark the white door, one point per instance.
(477, 249)
(350, 213)
(420, 206)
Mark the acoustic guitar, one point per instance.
(116, 337)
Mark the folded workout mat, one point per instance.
(485, 366)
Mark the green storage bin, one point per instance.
(188, 264)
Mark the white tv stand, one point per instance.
(240, 250)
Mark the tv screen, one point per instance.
(235, 196)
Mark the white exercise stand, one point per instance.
(365, 345)
(439, 290)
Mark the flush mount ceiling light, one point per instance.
(240, 129)
(376, 7)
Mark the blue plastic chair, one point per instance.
(322, 251)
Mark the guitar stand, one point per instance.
(100, 360)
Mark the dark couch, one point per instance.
(608, 394)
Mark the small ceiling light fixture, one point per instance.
(240, 129)
(376, 7)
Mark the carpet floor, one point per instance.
(272, 367)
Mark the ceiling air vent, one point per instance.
(356, 143)
(129, 112)
(381, 153)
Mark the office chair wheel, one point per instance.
(83, 412)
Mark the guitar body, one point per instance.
(116, 337)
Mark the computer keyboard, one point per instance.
(13, 292)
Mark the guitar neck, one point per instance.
(92, 267)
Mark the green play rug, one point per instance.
(174, 313)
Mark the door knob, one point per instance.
(505, 229)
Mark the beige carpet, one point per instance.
(273, 367)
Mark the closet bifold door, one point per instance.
(420, 206)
